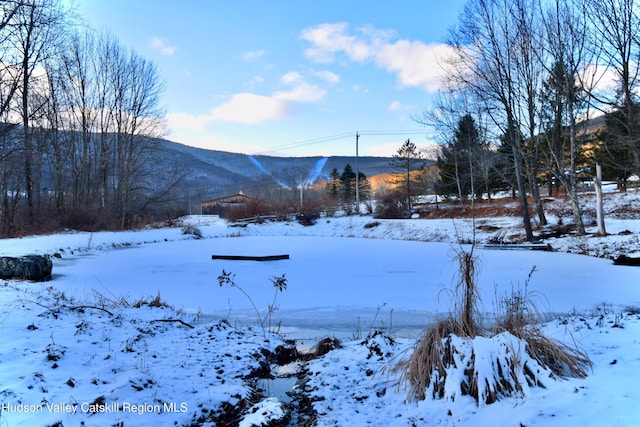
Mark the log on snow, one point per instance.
(250, 257)
(520, 247)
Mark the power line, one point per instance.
(312, 141)
(392, 132)
(341, 136)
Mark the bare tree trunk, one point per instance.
(599, 202)
(573, 178)
(27, 143)
(522, 193)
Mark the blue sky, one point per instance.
(290, 78)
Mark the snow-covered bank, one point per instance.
(71, 341)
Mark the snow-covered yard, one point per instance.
(76, 349)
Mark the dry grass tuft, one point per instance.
(155, 302)
(455, 357)
(520, 316)
(426, 368)
(561, 359)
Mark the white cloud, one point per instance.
(256, 80)
(162, 46)
(252, 55)
(600, 78)
(399, 106)
(329, 39)
(249, 108)
(327, 76)
(292, 77)
(211, 141)
(415, 63)
(187, 121)
(302, 92)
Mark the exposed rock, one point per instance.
(29, 267)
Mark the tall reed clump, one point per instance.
(457, 357)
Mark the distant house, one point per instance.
(224, 204)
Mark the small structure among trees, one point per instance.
(223, 205)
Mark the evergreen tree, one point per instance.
(348, 184)
(342, 186)
(616, 153)
(348, 181)
(466, 163)
(334, 185)
(406, 160)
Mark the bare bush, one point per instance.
(392, 205)
(190, 229)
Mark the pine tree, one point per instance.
(334, 186)
(466, 162)
(406, 160)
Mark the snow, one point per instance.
(78, 340)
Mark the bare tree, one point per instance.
(78, 84)
(617, 24)
(137, 117)
(9, 75)
(567, 42)
(529, 74)
(485, 56)
(105, 99)
(9, 151)
(38, 28)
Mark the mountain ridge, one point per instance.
(222, 172)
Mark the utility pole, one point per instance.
(301, 192)
(357, 178)
(599, 204)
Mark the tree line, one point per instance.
(525, 85)
(78, 114)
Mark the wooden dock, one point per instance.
(627, 260)
(520, 247)
(251, 257)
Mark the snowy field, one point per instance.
(75, 350)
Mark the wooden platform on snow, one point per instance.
(520, 247)
(627, 260)
(251, 257)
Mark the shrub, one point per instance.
(455, 357)
(307, 218)
(391, 205)
(154, 302)
(190, 229)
